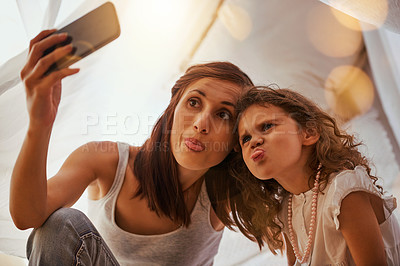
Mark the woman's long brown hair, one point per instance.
(155, 166)
(256, 210)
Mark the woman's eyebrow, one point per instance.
(203, 94)
(228, 103)
(199, 92)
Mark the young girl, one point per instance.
(317, 187)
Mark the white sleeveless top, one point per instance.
(329, 247)
(195, 245)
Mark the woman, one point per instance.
(149, 203)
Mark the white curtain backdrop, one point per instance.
(122, 88)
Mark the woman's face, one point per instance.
(202, 130)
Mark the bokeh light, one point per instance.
(349, 91)
(331, 37)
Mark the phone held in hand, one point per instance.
(87, 34)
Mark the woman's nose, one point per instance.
(202, 123)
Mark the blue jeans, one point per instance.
(68, 238)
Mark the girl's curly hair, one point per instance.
(255, 209)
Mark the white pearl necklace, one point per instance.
(307, 251)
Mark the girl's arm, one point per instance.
(289, 251)
(360, 229)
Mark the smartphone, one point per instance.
(87, 34)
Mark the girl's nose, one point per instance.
(202, 124)
(257, 141)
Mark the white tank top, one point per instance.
(195, 245)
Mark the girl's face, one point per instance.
(202, 130)
(271, 141)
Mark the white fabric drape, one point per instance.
(379, 13)
(383, 49)
(383, 52)
(34, 19)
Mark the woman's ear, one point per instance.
(310, 136)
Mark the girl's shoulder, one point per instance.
(355, 179)
(345, 182)
(342, 183)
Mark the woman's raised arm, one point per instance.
(30, 202)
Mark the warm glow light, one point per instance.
(371, 11)
(149, 27)
(346, 20)
(351, 22)
(236, 20)
(329, 36)
(349, 92)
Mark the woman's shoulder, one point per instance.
(100, 151)
(133, 151)
(107, 150)
(104, 157)
(107, 153)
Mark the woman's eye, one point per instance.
(193, 102)
(245, 139)
(267, 126)
(225, 115)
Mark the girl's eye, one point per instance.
(193, 102)
(245, 139)
(267, 126)
(225, 115)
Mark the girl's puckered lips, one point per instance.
(194, 144)
(257, 155)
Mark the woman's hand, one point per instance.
(43, 92)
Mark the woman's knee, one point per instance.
(63, 219)
(63, 226)
(65, 214)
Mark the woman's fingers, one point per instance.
(45, 62)
(38, 48)
(40, 37)
(43, 85)
(56, 76)
(44, 92)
